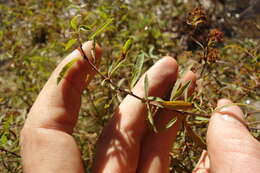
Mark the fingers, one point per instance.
(231, 147)
(57, 105)
(46, 143)
(154, 156)
(118, 146)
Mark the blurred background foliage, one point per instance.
(33, 37)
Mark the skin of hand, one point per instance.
(127, 144)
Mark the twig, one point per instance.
(253, 123)
(10, 152)
(254, 128)
(109, 80)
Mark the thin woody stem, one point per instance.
(108, 79)
(10, 152)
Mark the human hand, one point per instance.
(126, 144)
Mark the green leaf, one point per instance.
(186, 92)
(137, 69)
(101, 28)
(74, 6)
(146, 86)
(152, 98)
(171, 122)
(197, 107)
(175, 88)
(84, 28)
(1, 34)
(65, 69)
(3, 139)
(70, 43)
(113, 69)
(150, 115)
(179, 90)
(175, 105)
(127, 46)
(73, 22)
(107, 105)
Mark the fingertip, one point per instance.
(223, 101)
(228, 137)
(228, 108)
(88, 46)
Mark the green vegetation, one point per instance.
(36, 35)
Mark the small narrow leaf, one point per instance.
(107, 105)
(150, 117)
(180, 91)
(200, 44)
(3, 139)
(137, 69)
(127, 46)
(171, 122)
(65, 69)
(73, 22)
(84, 27)
(146, 86)
(113, 69)
(101, 28)
(175, 88)
(1, 34)
(175, 105)
(186, 92)
(70, 43)
(198, 107)
(158, 99)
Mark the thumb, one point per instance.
(231, 147)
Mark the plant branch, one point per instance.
(10, 152)
(108, 79)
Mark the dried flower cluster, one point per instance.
(215, 36)
(204, 36)
(196, 17)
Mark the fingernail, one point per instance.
(227, 117)
(230, 113)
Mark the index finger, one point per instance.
(57, 105)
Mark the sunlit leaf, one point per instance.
(84, 27)
(107, 105)
(65, 69)
(1, 34)
(101, 28)
(179, 92)
(198, 107)
(171, 122)
(113, 69)
(70, 43)
(175, 88)
(3, 139)
(137, 69)
(127, 46)
(175, 105)
(73, 6)
(186, 92)
(73, 22)
(158, 99)
(146, 86)
(150, 116)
